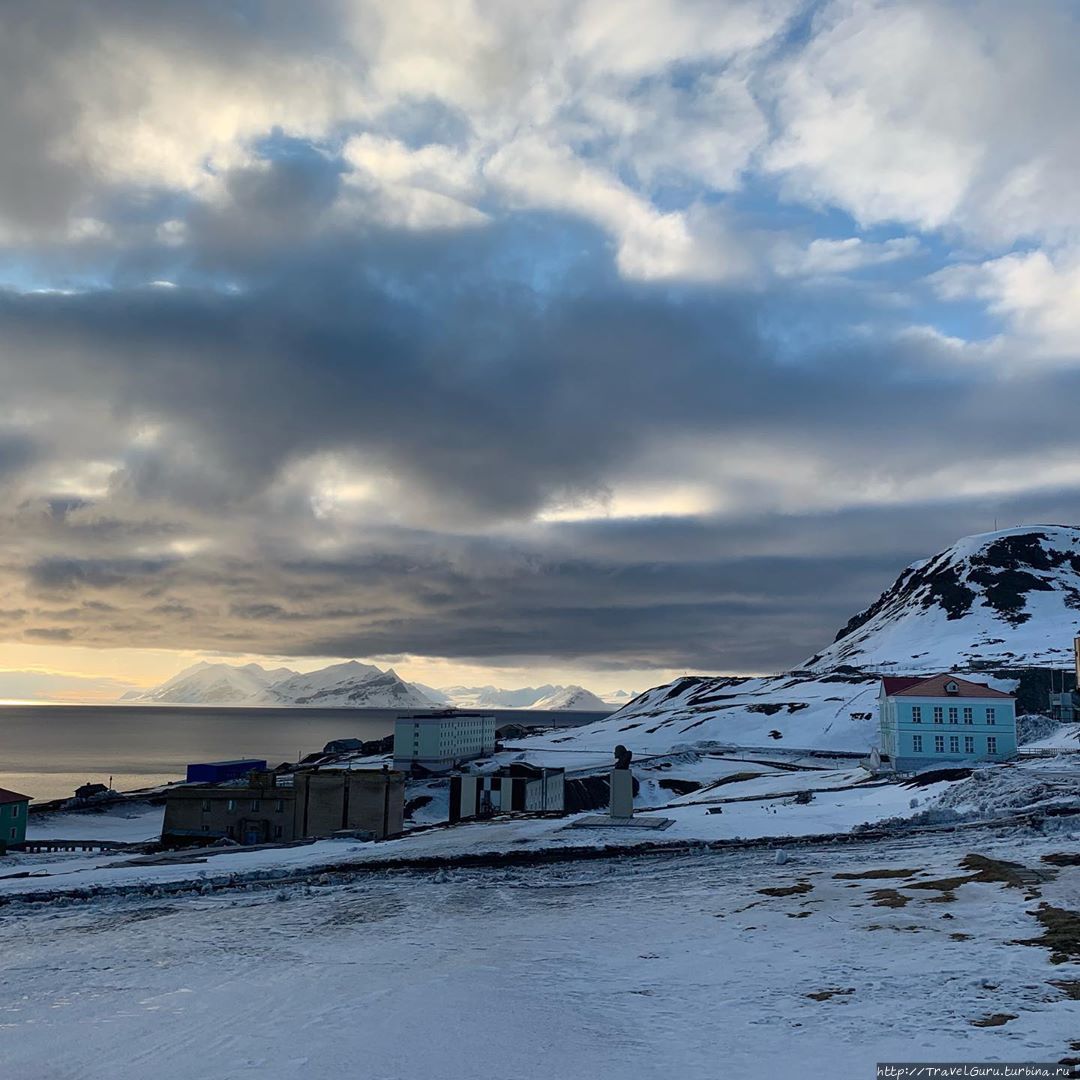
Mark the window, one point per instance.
(969, 715)
(916, 744)
(16, 809)
(954, 744)
(231, 805)
(230, 832)
(954, 715)
(990, 716)
(277, 832)
(991, 744)
(254, 804)
(279, 806)
(206, 806)
(969, 744)
(939, 714)
(206, 828)
(916, 714)
(939, 744)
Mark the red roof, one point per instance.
(934, 686)
(895, 683)
(11, 796)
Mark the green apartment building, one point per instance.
(13, 808)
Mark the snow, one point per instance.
(130, 822)
(651, 968)
(569, 698)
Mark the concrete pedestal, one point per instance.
(622, 793)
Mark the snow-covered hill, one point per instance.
(990, 603)
(349, 685)
(570, 698)
(1009, 598)
(214, 684)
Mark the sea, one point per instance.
(47, 751)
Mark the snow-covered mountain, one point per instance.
(214, 684)
(546, 697)
(383, 690)
(575, 698)
(988, 606)
(349, 685)
(289, 691)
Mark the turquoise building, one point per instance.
(13, 809)
(943, 719)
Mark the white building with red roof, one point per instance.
(944, 719)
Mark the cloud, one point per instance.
(646, 336)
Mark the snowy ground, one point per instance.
(647, 967)
(125, 823)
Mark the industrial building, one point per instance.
(944, 718)
(436, 742)
(516, 788)
(13, 811)
(267, 807)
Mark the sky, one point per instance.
(585, 341)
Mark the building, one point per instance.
(944, 718)
(267, 807)
(217, 772)
(13, 810)
(436, 742)
(517, 788)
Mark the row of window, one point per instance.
(231, 805)
(954, 714)
(954, 744)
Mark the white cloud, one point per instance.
(1038, 296)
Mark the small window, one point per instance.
(954, 744)
(16, 810)
(991, 716)
(916, 714)
(951, 687)
(991, 744)
(939, 715)
(254, 804)
(916, 743)
(969, 744)
(969, 715)
(231, 806)
(277, 832)
(206, 806)
(279, 806)
(954, 715)
(939, 744)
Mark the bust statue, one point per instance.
(622, 757)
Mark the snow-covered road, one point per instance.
(646, 967)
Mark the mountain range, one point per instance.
(349, 685)
(1003, 607)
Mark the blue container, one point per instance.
(215, 772)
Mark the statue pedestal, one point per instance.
(622, 794)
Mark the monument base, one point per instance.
(604, 821)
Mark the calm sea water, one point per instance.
(46, 751)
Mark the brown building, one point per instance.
(268, 807)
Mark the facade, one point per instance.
(13, 811)
(942, 719)
(217, 772)
(436, 742)
(268, 808)
(517, 788)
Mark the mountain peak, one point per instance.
(1007, 597)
